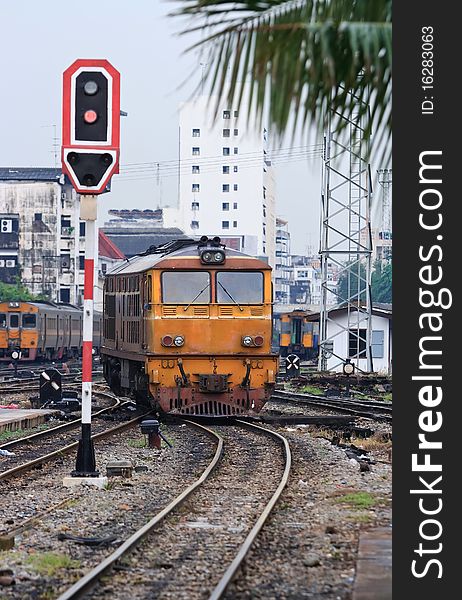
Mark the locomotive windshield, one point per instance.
(186, 287)
(29, 321)
(239, 287)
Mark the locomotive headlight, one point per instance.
(247, 340)
(207, 257)
(178, 340)
(219, 256)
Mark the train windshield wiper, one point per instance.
(196, 297)
(228, 294)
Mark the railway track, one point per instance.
(55, 442)
(362, 408)
(207, 552)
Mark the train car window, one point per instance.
(239, 287)
(29, 321)
(14, 321)
(2, 320)
(186, 287)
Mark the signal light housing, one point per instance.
(91, 124)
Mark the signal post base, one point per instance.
(72, 482)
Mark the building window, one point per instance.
(226, 132)
(226, 114)
(357, 343)
(264, 230)
(225, 169)
(235, 187)
(194, 224)
(225, 206)
(264, 212)
(235, 205)
(195, 169)
(236, 150)
(82, 229)
(236, 113)
(235, 169)
(81, 262)
(226, 151)
(65, 295)
(196, 151)
(225, 224)
(194, 205)
(236, 132)
(377, 343)
(195, 187)
(234, 223)
(225, 187)
(196, 133)
(37, 216)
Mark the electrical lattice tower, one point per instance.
(346, 243)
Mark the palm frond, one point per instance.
(299, 58)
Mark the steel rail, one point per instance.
(338, 405)
(66, 449)
(64, 426)
(231, 571)
(353, 401)
(90, 579)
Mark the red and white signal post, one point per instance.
(90, 156)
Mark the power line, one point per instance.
(173, 172)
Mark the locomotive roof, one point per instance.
(177, 249)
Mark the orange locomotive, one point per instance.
(188, 327)
(43, 330)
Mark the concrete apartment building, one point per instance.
(226, 184)
(282, 276)
(41, 240)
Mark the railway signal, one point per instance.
(292, 365)
(50, 387)
(91, 124)
(90, 156)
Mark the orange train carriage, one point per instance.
(298, 334)
(43, 330)
(187, 326)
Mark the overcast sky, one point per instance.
(39, 40)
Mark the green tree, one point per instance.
(302, 56)
(10, 292)
(342, 285)
(381, 282)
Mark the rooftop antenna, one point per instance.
(203, 65)
(55, 144)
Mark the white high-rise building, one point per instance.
(226, 184)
